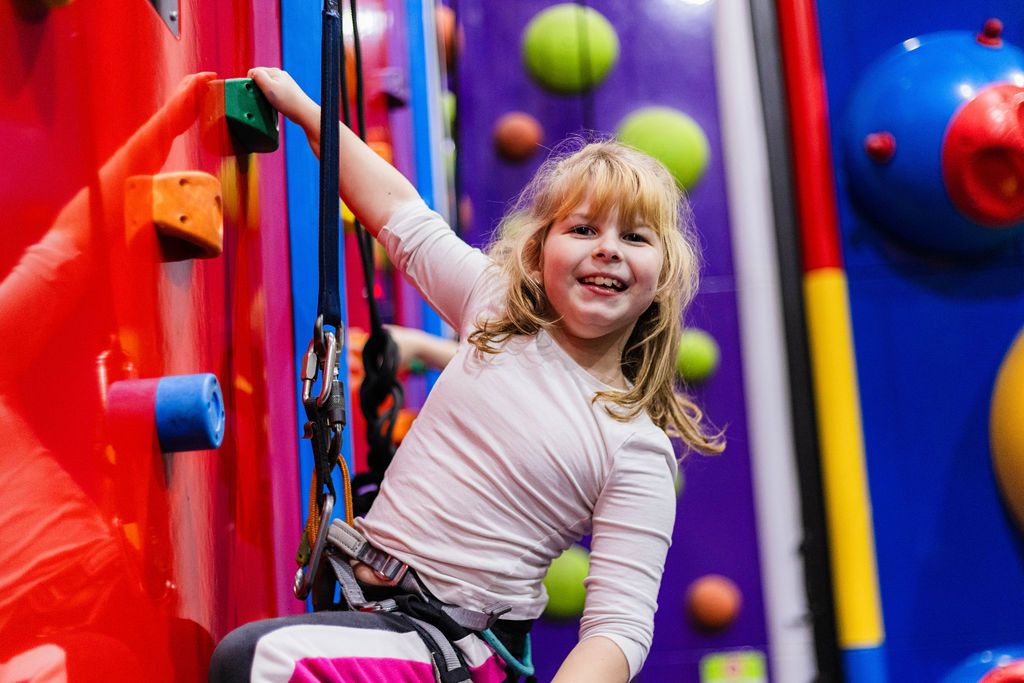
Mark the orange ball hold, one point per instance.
(517, 135)
(403, 421)
(466, 213)
(713, 602)
(447, 36)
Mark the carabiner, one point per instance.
(313, 361)
(310, 366)
(304, 576)
(330, 368)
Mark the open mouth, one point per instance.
(608, 283)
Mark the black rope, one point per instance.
(380, 353)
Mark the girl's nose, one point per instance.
(607, 251)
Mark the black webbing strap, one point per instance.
(329, 300)
(325, 410)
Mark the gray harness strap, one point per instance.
(447, 650)
(352, 543)
(350, 589)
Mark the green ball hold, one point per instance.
(671, 137)
(697, 356)
(564, 583)
(449, 106)
(569, 48)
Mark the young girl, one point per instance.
(549, 423)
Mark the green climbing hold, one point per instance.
(449, 105)
(569, 48)
(251, 119)
(671, 137)
(697, 356)
(564, 583)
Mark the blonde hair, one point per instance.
(610, 176)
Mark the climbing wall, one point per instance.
(715, 530)
(144, 243)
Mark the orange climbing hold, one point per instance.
(713, 602)
(186, 209)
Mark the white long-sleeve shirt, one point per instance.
(510, 462)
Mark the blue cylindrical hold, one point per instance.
(189, 413)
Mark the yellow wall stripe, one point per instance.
(847, 500)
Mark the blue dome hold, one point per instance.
(895, 134)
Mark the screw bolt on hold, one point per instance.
(991, 33)
(880, 147)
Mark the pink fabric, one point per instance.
(361, 669)
(491, 671)
(380, 670)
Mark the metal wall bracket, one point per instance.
(170, 12)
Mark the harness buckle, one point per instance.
(393, 571)
(387, 568)
(306, 574)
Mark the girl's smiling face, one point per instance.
(600, 275)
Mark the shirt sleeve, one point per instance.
(440, 265)
(632, 531)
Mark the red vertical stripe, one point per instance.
(808, 118)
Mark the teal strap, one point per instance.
(523, 668)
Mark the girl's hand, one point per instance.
(285, 95)
(364, 574)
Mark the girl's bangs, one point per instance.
(609, 185)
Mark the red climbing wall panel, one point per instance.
(119, 562)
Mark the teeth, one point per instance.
(604, 282)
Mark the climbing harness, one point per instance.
(414, 600)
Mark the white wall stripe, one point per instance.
(763, 347)
(277, 652)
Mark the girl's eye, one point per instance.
(634, 237)
(582, 229)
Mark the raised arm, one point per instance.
(371, 187)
